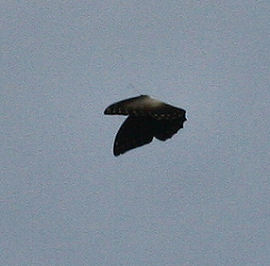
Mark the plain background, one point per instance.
(201, 198)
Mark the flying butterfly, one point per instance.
(147, 118)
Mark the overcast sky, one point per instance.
(200, 198)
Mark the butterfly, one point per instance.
(147, 118)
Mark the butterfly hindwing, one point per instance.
(165, 129)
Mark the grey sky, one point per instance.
(201, 198)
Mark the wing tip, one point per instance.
(106, 111)
(112, 110)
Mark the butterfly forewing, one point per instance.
(134, 132)
(144, 105)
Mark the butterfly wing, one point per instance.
(165, 129)
(145, 106)
(133, 133)
(127, 107)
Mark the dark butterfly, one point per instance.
(147, 118)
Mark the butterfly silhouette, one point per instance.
(147, 118)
